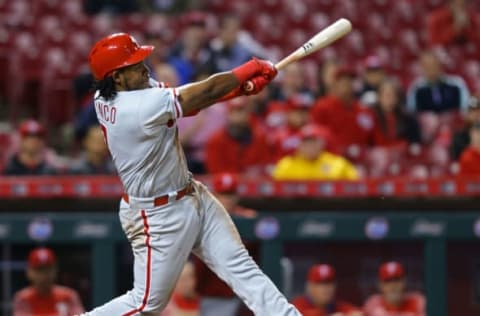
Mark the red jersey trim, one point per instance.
(178, 107)
(149, 265)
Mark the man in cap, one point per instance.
(44, 297)
(165, 213)
(341, 109)
(319, 299)
(393, 299)
(311, 162)
(30, 158)
(248, 150)
(286, 138)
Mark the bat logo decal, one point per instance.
(307, 46)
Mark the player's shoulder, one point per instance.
(25, 294)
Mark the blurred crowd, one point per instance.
(347, 121)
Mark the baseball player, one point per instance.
(44, 297)
(394, 300)
(165, 213)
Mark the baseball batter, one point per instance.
(165, 213)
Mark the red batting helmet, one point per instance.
(116, 51)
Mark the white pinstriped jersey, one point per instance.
(141, 134)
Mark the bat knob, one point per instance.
(248, 86)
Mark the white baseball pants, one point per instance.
(162, 239)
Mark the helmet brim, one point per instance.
(142, 53)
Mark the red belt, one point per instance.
(162, 200)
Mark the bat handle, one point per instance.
(286, 61)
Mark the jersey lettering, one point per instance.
(107, 113)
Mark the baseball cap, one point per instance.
(314, 131)
(41, 257)
(225, 183)
(31, 128)
(373, 62)
(391, 270)
(299, 102)
(195, 18)
(344, 71)
(321, 273)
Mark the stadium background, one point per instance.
(43, 53)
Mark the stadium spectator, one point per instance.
(184, 301)
(287, 138)
(461, 139)
(348, 120)
(319, 299)
(373, 76)
(195, 131)
(393, 299)
(95, 158)
(225, 187)
(436, 91)
(31, 158)
(166, 73)
(239, 147)
(44, 297)
(292, 83)
(326, 77)
(311, 162)
(192, 53)
(470, 158)
(392, 125)
(161, 52)
(454, 23)
(228, 51)
(217, 297)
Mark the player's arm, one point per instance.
(196, 96)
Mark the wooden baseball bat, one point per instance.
(322, 39)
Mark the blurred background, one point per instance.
(364, 153)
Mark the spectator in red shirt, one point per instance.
(297, 114)
(393, 299)
(217, 297)
(461, 139)
(31, 158)
(184, 301)
(43, 297)
(320, 295)
(392, 125)
(349, 121)
(239, 147)
(470, 158)
(455, 23)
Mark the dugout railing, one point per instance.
(102, 232)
